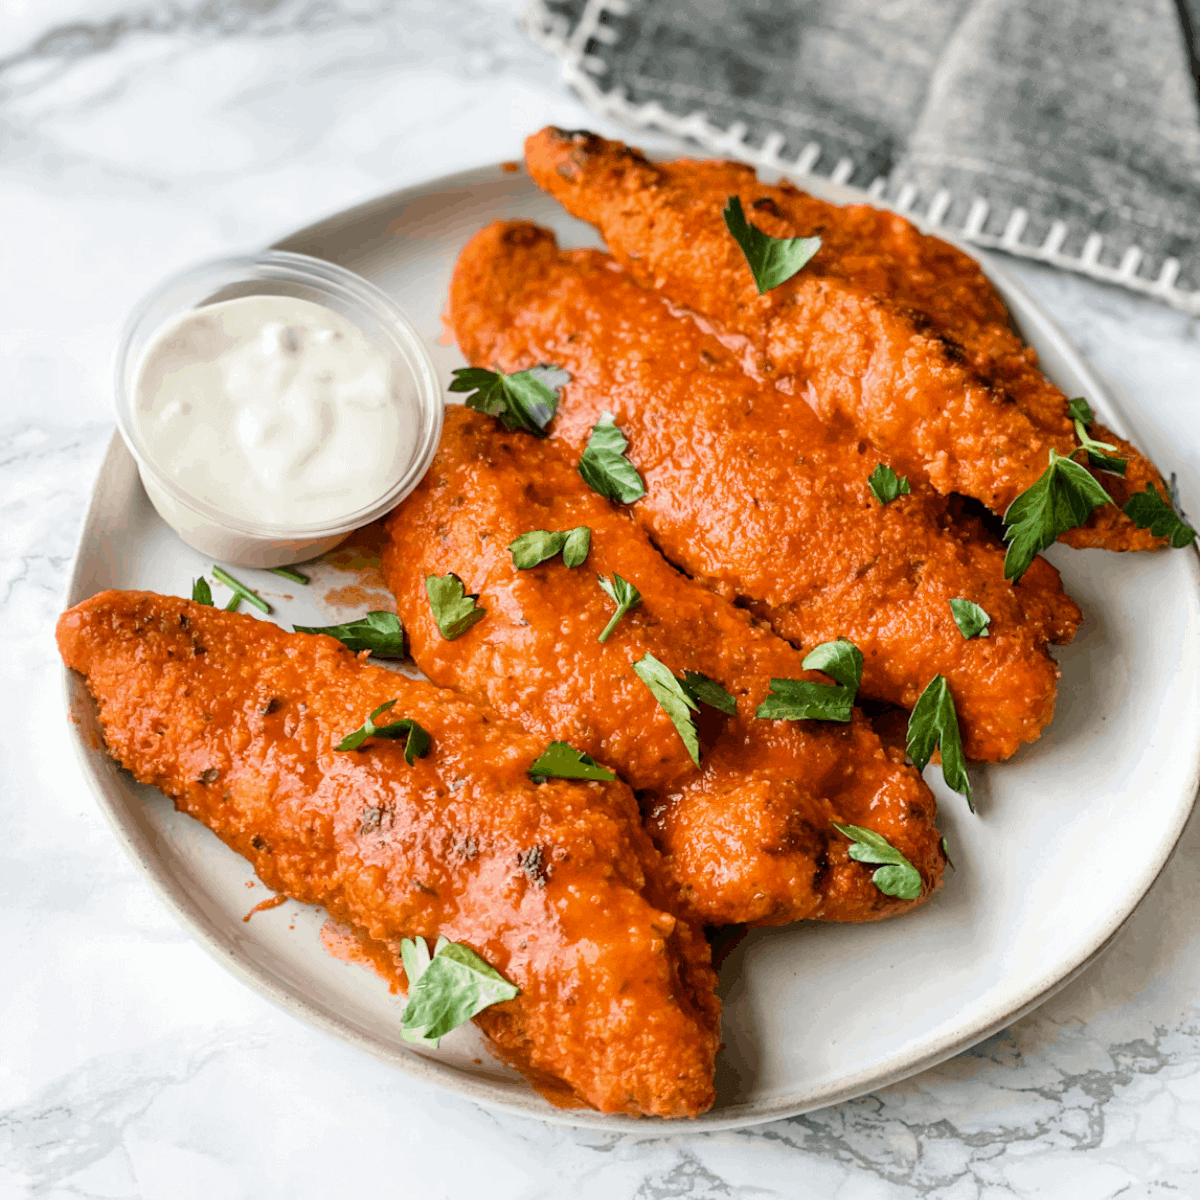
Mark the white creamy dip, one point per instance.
(274, 410)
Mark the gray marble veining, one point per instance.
(138, 137)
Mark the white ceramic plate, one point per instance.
(1069, 836)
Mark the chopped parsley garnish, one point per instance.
(576, 547)
(1080, 410)
(772, 260)
(453, 609)
(673, 697)
(604, 466)
(801, 700)
(971, 620)
(240, 592)
(525, 400)
(380, 632)
(897, 876)
(708, 691)
(1148, 510)
(886, 485)
(933, 724)
(201, 592)
(417, 743)
(623, 594)
(447, 990)
(1062, 498)
(288, 573)
(534, 547)
(563, 761)
(841, 660)
(1101, 455)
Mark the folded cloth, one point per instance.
(1062, 130)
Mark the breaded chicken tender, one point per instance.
(749, 834)
(889, 332)
(753, 495)
(556, 885)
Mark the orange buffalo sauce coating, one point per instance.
(750, 493)
(556, 885)
(891, 334)
(749, 834)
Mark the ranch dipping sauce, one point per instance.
(274, 410)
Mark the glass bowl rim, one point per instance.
(356, 294)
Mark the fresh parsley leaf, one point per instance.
(563, 761)
(675, 701)
(453, 609)
(971, 620)
(933, 723)
(946, 852)
(772, 260)
(1080, 410)
(886, 485)
(525, 400)
(240, 592)
(701, 688)
(414, 953)
(801, 700)
(416, 746)
(897, 877)
(288, 573)
(841, 660)
(604, 466)
(1148, 510)
(623, 594)
(380, 632)
(530, 549)
(1100, 454)
(447, 990)
(534, 547)
(201, 592)
(1062, 498)
(576, 547)
(1173, 496)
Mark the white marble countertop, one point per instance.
(140, 135)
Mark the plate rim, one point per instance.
(527, 1103)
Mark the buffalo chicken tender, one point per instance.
(891, 333)
(749, 834)
(750, 493)
(555, 885)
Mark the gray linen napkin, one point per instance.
(1061, 130)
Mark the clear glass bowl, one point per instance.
(276, 273)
